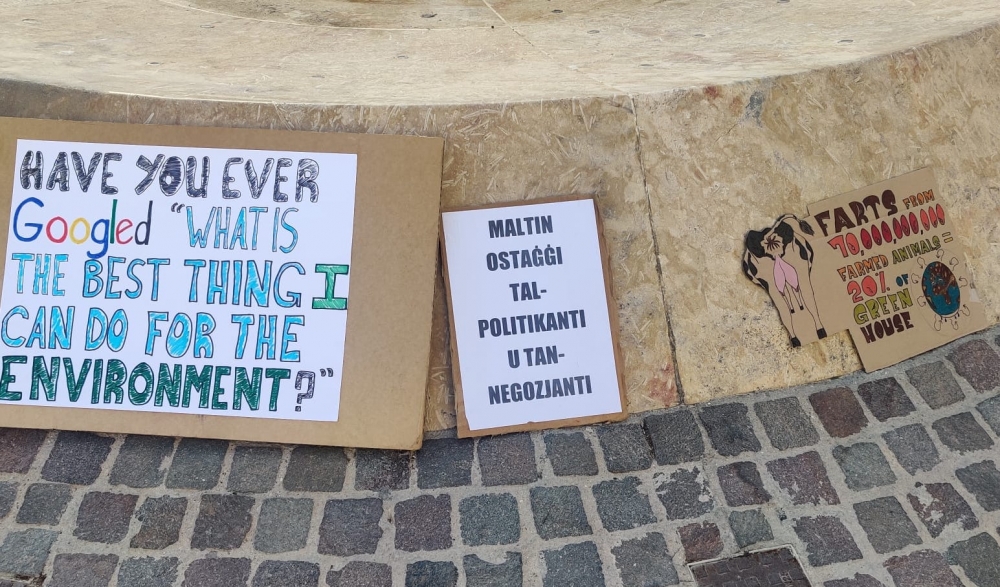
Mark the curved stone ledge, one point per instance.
(686, 141)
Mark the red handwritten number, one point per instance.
(837, 242)
(881, 276)
(852, 243)
(854, 289)
(869, 286)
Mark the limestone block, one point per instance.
(723, 160)
(422, 14)
(162, 49)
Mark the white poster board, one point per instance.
(177, 279)
(534, 335)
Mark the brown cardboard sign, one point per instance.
(225, 283)
(533, 321)
(889, 268)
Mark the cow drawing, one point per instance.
(779, 259)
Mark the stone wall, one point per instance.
(679, 175)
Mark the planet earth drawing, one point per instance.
(941, 289)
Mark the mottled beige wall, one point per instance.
(722, 160)
(679, 178)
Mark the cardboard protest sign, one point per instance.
(779, 259)
(217, 282)
(532, 317)
(889, 269)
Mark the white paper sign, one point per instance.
(530, 314)
(177, 279)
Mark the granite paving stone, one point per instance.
(750, 527)
(315, 468)
(578, 565)
(913, 448)
(286, 574)
(859, 580)
(197, 463)
(18, 447)
(729, 429)
(701, 541)
(939, 505)
(625, 447)
(44, 504)
(217, 572)
(445, 462)
(621, 505)
(741, 484)
(423, 523)
(431, 574)
(507, 460)
(8, 495)
(804, 478)
(351, 526)
(76, 458)
(684, 494)
(935, 383)
(771, 567)
(140, 461)
(480, 573)
(148, 572)
(360, 574)
(489, 519)
(864, 466)
(983, 481)
(570, 454)
(839, 411)
(104, 517)
(223, 522)
(786, 423)
(25, 552)
(979, 557)
(161, 519)
(961, 433)
(886, 399)
(558, 512)
(922, 568)
(885, 522)
(990, 410)
(381, 470)
(83, 570)
(977, 362)
(827, 540)
(645, 562)
(463, 518)
(254, 469)
(283, 524)
(675, 436)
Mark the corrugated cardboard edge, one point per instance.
(462, 420)
(393, 264)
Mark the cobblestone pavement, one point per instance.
(883, 479)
